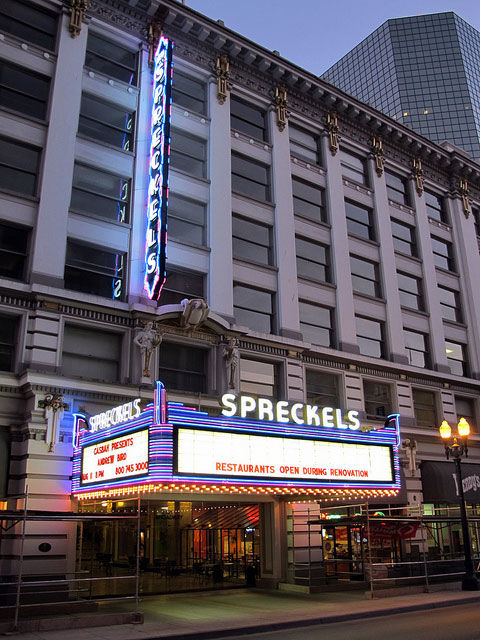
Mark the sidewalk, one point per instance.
(217, 614)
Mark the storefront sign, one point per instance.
(117, 415)
(440, 483)
(114, 459)
(213, 453)
(283, 411)
(156, 241)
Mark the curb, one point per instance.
(292, 624)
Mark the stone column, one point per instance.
(395, 338)
(58, 158)
(220, 278)
(273, 553)
(432, 300)
(284, 232)
(345, 321)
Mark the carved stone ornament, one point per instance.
(231, 355)
(417, 173)
(410, 448)
(148, 340)
(332, 128)
(222, 69)
(54, 407)
(281, 107)
(153, 36)
(467, 209)
(377, 150)
(194, 313)
(77, 15)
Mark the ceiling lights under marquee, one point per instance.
(169, 448)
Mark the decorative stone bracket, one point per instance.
(222, 69)
(417, 173)
(377, 151)
(332, 128)
(77, 15)
(281, 103)
(54, 407)
(467, 209)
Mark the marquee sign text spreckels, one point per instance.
(156, 241)
(117, 415)
(283, 411)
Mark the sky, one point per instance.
(314, 34)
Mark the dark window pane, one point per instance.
(23, 91)
(370, 337)
(304, 145)
(186, 220)
(91, 353)
(92, 270)
(456, 358)
(253, 308)
(182, 367)
(105, 122)
(30, 23)
(450, 304)
(103, 194)
(397, 188)
(353, 167)
(188, 93)
(180, 285)
(258, 378)
(307, 200)
(322, 388)
(404, 238)
(248, 119)
(8, 325)
(316, 324)
(251, 241)
(365, 276)
(424, 408)
(18, 167)
(416, 345)
(111, 59)
(250, 178)
(188, 154)
(313, 260)
(359, 220)
(377, 399)
(13, 251)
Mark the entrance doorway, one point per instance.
(183, 546)
(343, 549)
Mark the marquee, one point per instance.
(170, 447)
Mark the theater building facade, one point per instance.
(230, 295)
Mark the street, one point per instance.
(448, 623)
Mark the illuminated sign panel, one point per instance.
(117, 415)
(214, 453)
(114, 459)
(156, 241)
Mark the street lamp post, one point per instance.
(456, 451)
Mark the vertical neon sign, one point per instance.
(156, 241)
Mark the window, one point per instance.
(93, 270)
(183, 367)
(111, 59)
(435, 207)
(353, 167)
(322, 388)
(378, 404)
(370, 337)
(18, 167)
(424, 406)
(359, 220)
(416, 345)
(23, 91)
(248, 119)
(33, 24)
(8, 329)
(258, 378)
(450, 304)
(410, 291)
(13, 251)
(316, 324)
(313, 260)
(100, 193)
(304, 145)
(91, 353)
(188, 154)
(465, 408)
(105, 122)
(189, 93)
(456, 358)
(251, 241)
(253, 308)
(365, 277)
(404, 238)
(397, 188)
(308, 200)
(180, 285)
(250, 178)
(443, 254)
(186, 220)
(476, 218)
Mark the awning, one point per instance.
(440, 483)
(229, 517)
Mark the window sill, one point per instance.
(108, 79)
(366, 296)
(358, 186)
(201, 247)
(454, 323)
(251, 263)
(23, 116)
(419, 312)
(189, 175)
(92, 216)
(439, 224)
(373, 243)
(240, 135)
(185, 111)
(32, 199)
(318, 223)
(449, 271)
(82, 136)
(407, 255)
(250, 199)
(323, 283)
(311, 166)
(401, 206)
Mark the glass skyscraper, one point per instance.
(424, 72)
